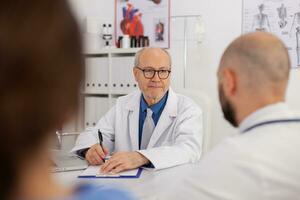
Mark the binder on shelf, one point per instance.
(89, 112)
(95, 108)
(129, 77)
(122, 74)
(122, 83)
(96, 75)
(116, 74)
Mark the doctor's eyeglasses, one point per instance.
(149, 73)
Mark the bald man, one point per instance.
(263, 161)
(152, 127)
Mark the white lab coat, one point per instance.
(177, 137)
(263, 163)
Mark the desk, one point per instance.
(164, 184)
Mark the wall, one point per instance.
(222, 23)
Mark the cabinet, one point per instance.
(108, 76)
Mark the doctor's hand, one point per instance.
(123, 161)
(95, 155)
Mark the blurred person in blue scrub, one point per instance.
(41, 66)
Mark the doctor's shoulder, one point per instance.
(186, 104)
(93, 192)
(123, 100)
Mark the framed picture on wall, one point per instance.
(144, 18)
(280, 17)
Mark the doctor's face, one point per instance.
(153, 74)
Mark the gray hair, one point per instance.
(140, 52)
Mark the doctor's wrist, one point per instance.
(82, 152)
(142, 160)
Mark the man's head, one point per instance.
(152, 72)
(253, 73)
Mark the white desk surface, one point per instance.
(171, 183)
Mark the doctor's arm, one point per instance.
(89, 141)
(187, 144)
(185, 148)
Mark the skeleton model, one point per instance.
(282, 13)
(296, 23)
(261, 20)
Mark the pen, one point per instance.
(100, 137)
(100, 142)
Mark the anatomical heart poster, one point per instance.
(147, 18)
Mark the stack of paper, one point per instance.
(94, 172)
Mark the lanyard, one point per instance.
(271, 122)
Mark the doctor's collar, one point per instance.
(269, 112)
(155, 107)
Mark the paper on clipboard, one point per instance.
(94, 172)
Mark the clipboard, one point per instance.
(92, 172)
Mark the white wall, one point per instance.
(222, 23)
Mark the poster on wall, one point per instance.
(280, 17)
(148, 18)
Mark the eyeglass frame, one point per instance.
(155, 71)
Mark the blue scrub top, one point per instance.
(91, 192)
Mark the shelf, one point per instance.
(94, 93)
(119, 93)
(105, 93)
(106, 51)
(100, 92)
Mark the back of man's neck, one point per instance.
(253, 107)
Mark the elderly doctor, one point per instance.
(153, 127)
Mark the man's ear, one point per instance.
(229, 82)
(135, 73)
